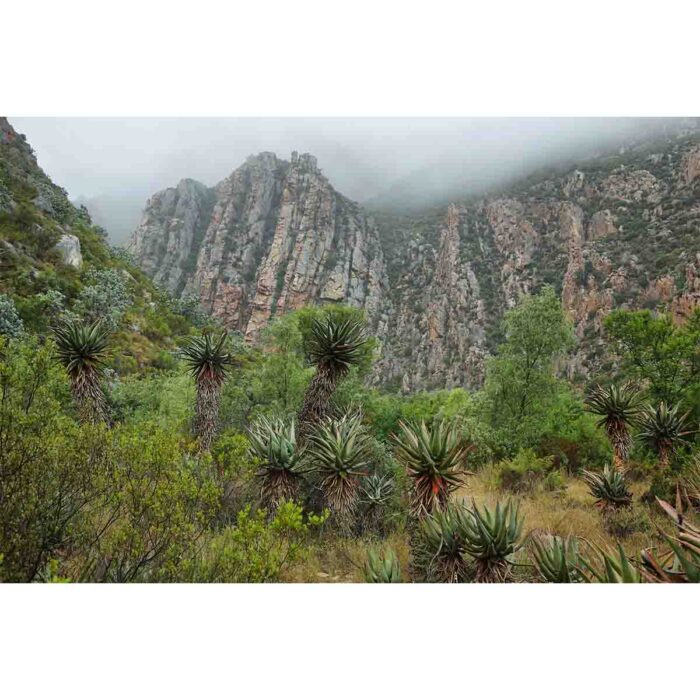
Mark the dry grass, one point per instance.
(336, 559)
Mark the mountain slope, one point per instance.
(616, 231)
(55, 263)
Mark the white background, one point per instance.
(301, 58)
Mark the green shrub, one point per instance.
(258, 549)
(11, 324)
(523, 473)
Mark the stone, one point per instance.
(69, 248)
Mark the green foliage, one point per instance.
(658, 351)
(41, 460)
(164, 398)
(523, 473)
(105, 298)
(258, 549)
(11, 324)
(382, 567)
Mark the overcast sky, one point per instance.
(114, 165)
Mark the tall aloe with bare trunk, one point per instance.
(208, 361)
(81, 349)
(334, 347)
(617, 406)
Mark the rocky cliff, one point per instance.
(272, 237)
(618, 231)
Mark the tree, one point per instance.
(661, 353)
(521, 385)
(208, 361)
(81, 349)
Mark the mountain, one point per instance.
(616, 231)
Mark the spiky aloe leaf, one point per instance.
(491, 536)
(336, 346)
(614, 567)
(609, 487)
(274, 443)
(617, 406)
(207, 357)
(682, 563)
(377, 489)
(434, 458)
(557, 559)
(337, 452)
(81, 349)
(382, 567)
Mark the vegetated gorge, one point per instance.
(272, 384)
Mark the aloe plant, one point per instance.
(491, 537)
(609, 488)
(382, 567)
(557, 559)
(434, 458)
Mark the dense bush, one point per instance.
(524, 472)
(10, 323)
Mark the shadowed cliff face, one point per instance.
(621, 231)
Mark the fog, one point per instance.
(114, 165)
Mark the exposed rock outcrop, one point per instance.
(69, 248)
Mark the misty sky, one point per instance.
(114, 165)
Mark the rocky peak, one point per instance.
(272, 237)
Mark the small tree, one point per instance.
(208, 362)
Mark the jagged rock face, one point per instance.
(620, 232)
(272, 237)
(616, 232)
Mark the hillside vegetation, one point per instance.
(142, 442)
